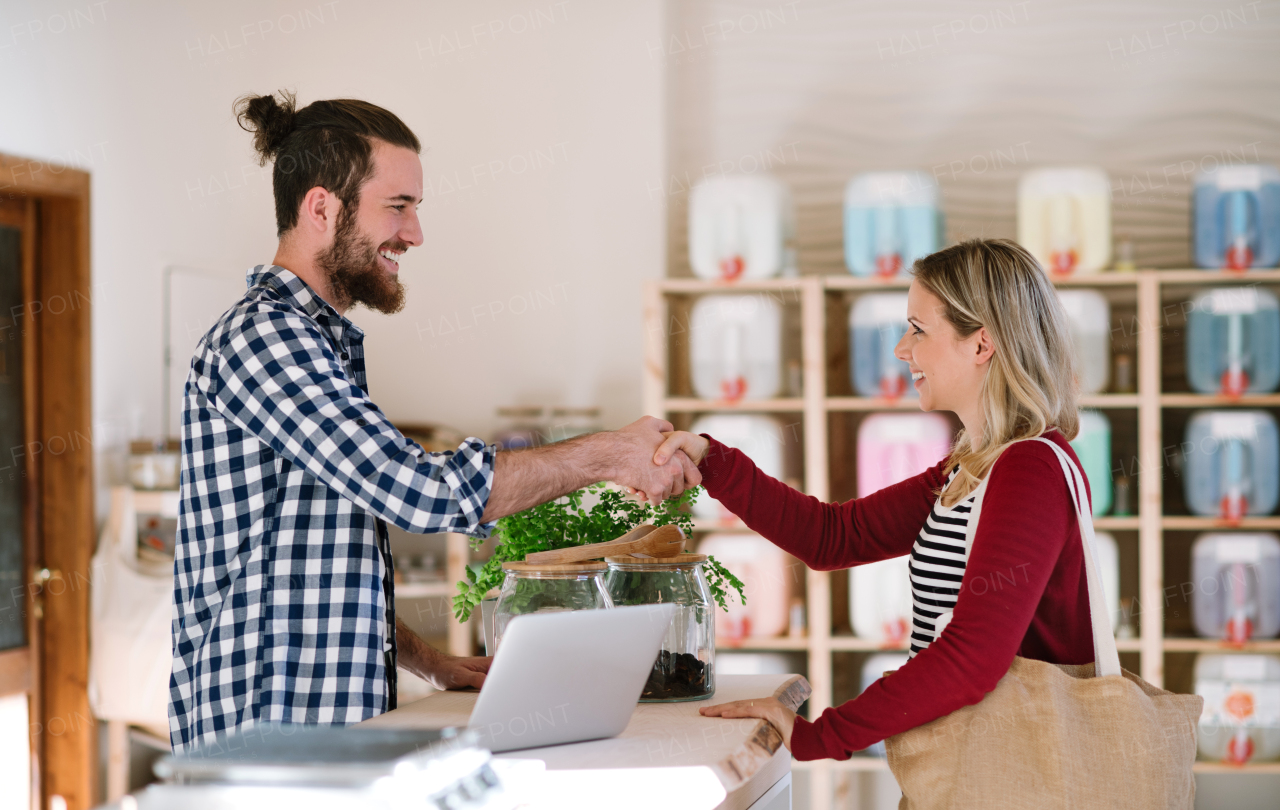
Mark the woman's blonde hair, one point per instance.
(1031, 383)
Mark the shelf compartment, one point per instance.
(1213, 645)
(844, 643)
(1222, 767)
(695, 405)
(1106, 278)
(1203, 277)
(1119, 523)
(1216, 401)
(1109, 401)
(871, 404)
(701, 286)
(1193, 523)
(865, 284)
(766, 644)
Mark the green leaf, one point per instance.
(717, 578)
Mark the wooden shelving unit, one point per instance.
(1149, 321)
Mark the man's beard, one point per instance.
(351, 267)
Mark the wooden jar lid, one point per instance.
(683, 558)
(589, 567)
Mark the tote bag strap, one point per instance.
(1106, 656)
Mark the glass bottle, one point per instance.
(685, 666)
(545, 588)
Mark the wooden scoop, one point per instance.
(645, 539)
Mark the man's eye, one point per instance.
(398, 207)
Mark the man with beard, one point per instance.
(284, 608)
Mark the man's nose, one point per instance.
(412, 232)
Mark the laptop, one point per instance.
(568, 676)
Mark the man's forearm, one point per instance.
(412, 652)
(524, 478)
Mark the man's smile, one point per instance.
(391, 259)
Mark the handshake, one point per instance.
(655, 461)
(648, 458)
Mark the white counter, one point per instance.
(668, 756)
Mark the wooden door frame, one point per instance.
(60, 464)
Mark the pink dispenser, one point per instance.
(892, 447)
(770, 578)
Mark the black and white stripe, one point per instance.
(936, 567)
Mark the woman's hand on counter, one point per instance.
(768, 709)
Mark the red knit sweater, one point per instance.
(1024, 591)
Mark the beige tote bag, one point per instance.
(1053, 735)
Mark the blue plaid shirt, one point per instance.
(283, 602)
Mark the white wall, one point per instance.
(542, 125)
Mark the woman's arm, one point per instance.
(1027, 518)
(825, 536)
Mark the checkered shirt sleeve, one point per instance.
(279, 380)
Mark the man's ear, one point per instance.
(985, 348)
(319, 212)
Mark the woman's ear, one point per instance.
(985, 348)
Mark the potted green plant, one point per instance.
(566, 522)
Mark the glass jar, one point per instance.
(546, 588)
(685, 667)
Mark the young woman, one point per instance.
(989, 342)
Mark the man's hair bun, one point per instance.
(269, 120)
(327, 144)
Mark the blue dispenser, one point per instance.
(877, 323)
(1236, 212)
(890, 220)
(1232, 464)
(1233, 341)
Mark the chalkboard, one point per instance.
(13, 625)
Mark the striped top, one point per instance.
(936, 568)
